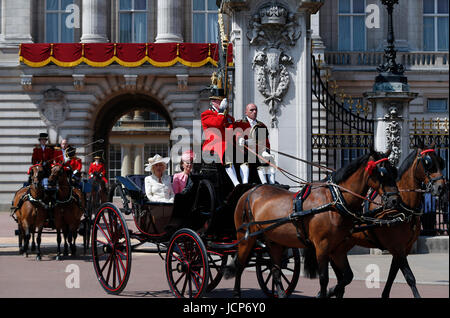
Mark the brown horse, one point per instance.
(68, 209)
(30, 210)
(421, 166)
(99, 193)
(320, 233)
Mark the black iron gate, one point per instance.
(341, 129)
(435, 220)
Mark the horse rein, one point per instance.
(318, 184)
(431, 180)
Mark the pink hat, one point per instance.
(187, 156)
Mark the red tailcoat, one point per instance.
(58, 156)
(214, 142)
(74, 164)
(41, 156)
(99, 168)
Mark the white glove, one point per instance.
(75, 172)
(241, 142)
(267, 156)
(223, 105)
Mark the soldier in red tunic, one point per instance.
(97, 167)
(252, 130)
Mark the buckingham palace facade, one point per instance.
(83, 70)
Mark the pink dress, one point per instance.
(179, 182)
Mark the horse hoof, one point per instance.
(59, 258)
(38, 258)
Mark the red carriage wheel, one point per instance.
(111, 249)
(290, 265)
(217, 263)
(187, 267)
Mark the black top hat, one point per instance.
(217, 93)
(43, 136)
(216, 89)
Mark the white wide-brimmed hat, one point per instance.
(154, 160)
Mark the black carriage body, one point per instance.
(197, 248)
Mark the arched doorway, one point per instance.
(133, 127)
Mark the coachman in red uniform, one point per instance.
(73, 165)
(42, 153)
(215, 122)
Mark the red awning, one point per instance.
(125, 54)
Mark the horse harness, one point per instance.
(27, 197)
(298, 214)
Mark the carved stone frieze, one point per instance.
(54, 108)
(273, 30)
(393, 134)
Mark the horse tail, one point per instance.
(310, 266)
(239, 217)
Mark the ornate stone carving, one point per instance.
(273, 29)
(54, 108)
(78, 81)
(26, 81)
(393, 134)
(182, 80)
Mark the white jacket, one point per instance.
(159, 192)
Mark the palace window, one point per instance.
(133, 21)
(352, 29)
(435, 25)
(204, 17)
(57, 27)
(115, 161)
(437, 105)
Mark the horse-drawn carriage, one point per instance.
(263, 226)
(59, 206)
(196, 233)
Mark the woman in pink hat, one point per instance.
(181, 179)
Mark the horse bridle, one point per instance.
(371, 165)
(426, 161)
(38, 183)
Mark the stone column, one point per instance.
(170, 21)
(94, 21)
(126, 160)
(318, 46)
(138, 115)
(391, 115)
(138, 162)
(272, 50)
(16, 27)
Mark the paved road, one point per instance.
(27, 278)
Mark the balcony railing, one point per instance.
(411, 60)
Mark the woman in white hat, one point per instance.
(158, 187)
